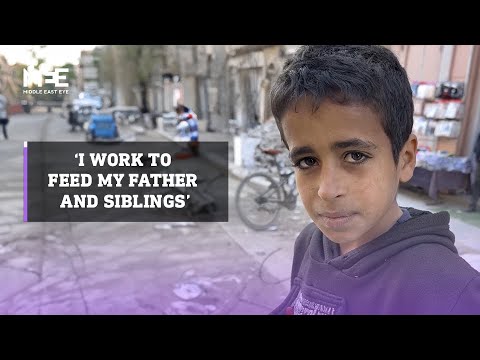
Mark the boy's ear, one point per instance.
(408, 158)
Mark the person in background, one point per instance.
(4, 115)
(187, 117)
(476, 182)
(185, 112)
(72, 117)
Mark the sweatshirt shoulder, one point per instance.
(468, 302)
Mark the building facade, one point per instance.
(453, 63)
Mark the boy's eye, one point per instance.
(355, 157)
(306, 163)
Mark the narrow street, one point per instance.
(218, 94)
(132, 268)
(151, 268)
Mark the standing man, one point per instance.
(476, 184)
(188, 122)
(4, 114)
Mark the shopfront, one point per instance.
(446, 92)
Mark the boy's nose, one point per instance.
(330, 185)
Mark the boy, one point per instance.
(188, 124)
(345, 114)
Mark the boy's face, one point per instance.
(345, 171)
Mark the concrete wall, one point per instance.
(423, 62)
(190, 92)
(471, 126)
(433, 62)
(124, 94)
(247, 69)
(461, 57)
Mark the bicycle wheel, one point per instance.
(258, 200)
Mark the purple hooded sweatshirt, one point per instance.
(413, 268)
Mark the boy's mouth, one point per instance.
(336, 220)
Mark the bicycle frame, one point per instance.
(259, 207)
(289, 190)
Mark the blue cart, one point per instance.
(102, 127)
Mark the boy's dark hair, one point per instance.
(358, 74)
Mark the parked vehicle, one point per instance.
(125, 114)
(102, 127)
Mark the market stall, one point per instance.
(437, 172)
(438, 119)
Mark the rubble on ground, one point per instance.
(269, 139)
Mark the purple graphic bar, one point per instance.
(25, 182)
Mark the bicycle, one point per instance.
(260, 196)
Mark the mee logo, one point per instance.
(39, 77)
